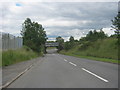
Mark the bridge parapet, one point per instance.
(53, 44)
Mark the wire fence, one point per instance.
(11, 42)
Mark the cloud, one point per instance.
(61, 0)
(59, 18)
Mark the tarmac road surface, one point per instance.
(61, 71)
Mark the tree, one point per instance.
(33, 35)
(71, 39)
(60, 40)
(89, 36)
(26, 27)
(116, 24)
(95, 35)
(67, 45)
(102, 34)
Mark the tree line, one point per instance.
(92, 36)
(35, 37)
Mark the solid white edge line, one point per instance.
(8, 83)
(72, 63)
(95, 75)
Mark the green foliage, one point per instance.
(0, 58)
(94, 36)
(33, 35)
(114, 36)
(60, 40)
(51, 47)
(71, 39)
(67, 45)
(116, 27)
(105, 48)
(95, 44)
(14, 56)
(116, 24)
(85, 45)
(71, 43)
(90, 57)
(91, 37)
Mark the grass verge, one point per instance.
(14, 56)
(90, 57)
(0, 58)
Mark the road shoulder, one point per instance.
(12, 72)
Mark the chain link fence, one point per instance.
(11, 42)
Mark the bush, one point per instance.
(85, 45)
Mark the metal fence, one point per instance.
(0, 41)
(11, 42)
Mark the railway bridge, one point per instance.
(51, 44)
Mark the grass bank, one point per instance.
(14, 56)
(105, 50)
(90, 57)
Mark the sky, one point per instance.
(63, 19)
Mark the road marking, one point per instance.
(95, 75)
(65, 60)
(72, 63)
(8, 83)
(20, 74)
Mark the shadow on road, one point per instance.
(51, 51)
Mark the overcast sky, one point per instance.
(59, 18)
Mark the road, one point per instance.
(61, 71)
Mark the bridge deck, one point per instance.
(52, 44)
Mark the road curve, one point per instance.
(61, 71)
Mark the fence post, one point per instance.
(8, 41)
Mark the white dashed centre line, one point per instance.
(72, 63)
(95, 75)
(65, 60)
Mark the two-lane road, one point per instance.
(61, 71)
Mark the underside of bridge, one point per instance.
(53, 44)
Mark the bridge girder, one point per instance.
(54, 44)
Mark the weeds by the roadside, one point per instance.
(14, 56)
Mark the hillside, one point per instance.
(103, 48)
